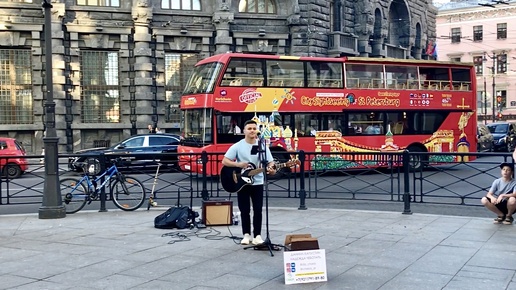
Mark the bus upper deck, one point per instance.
(248, 70)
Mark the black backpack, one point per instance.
(174, 217)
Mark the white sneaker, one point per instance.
(246, 239)
(258, 240)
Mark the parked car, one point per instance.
(12, 167)
(485, 140)
(504, 134)
(142, 147)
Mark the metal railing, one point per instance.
(443, 178)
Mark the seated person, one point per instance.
(313, 132)
(235, 129)
(373, 130)
(501, 198)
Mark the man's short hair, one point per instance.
(249, 122)
(510, 165)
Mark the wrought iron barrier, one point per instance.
(443, 178)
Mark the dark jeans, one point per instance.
(250, 193)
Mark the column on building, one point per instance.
(144, 97)
(223, 40)
(364, 24)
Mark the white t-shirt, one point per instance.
(241, 152)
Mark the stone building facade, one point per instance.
(119, 65)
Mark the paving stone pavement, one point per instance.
(364, 250)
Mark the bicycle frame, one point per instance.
(110, 171)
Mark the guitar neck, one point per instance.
(260, 170)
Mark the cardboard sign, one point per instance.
(305, 266)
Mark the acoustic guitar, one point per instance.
(233, 179)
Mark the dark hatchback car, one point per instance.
(504, 135)
(484, 139)
(141, 148)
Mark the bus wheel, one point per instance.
(416, 161)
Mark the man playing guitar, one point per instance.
(240, 155)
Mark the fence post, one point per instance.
(102, 164)
(302, 192)
(204, 192)
(406, 183)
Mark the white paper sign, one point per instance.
(305, 266)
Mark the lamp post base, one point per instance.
(51, 212)
(52, 206)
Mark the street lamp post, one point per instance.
(494, 83)
(494, 88)
(485, 101)
(51, 206)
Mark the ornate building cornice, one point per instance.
(460, 15)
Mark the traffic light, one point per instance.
(500, 115)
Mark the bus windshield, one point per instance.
(197, 127)
(203, 79)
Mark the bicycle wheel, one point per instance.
(129, 194)
(73, 195)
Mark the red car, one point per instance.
(12, 167)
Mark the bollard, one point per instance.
(302, 192)
(102, 164)
(204, 192)
(406, 183)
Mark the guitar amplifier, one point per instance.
(217, 212)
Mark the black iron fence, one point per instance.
(398, 177)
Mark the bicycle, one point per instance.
(127, 193)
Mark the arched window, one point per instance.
(181, 4)
(257, 6)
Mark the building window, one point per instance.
(257, 6)
(477, 33)
(18, 1)
(501, 31)
(455, 59)
(100, 88)
(478, 61)
(181, 4)
(501, 99)
(178, 68)
(501, 63)
(16, 87)
(455, 35)
(112, 3)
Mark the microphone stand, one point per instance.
(267, 244)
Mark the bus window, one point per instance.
(434, 78)
(243, 72)
(332, 122)
(365, 123)
(203, 79)
(401, 77)
(281, 73)
(461, 79)
(427, 122)
(397, 122)
(364, 76)
(197, 125)
(306, 124)
(324, 74)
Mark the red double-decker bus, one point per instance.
(349, 104)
